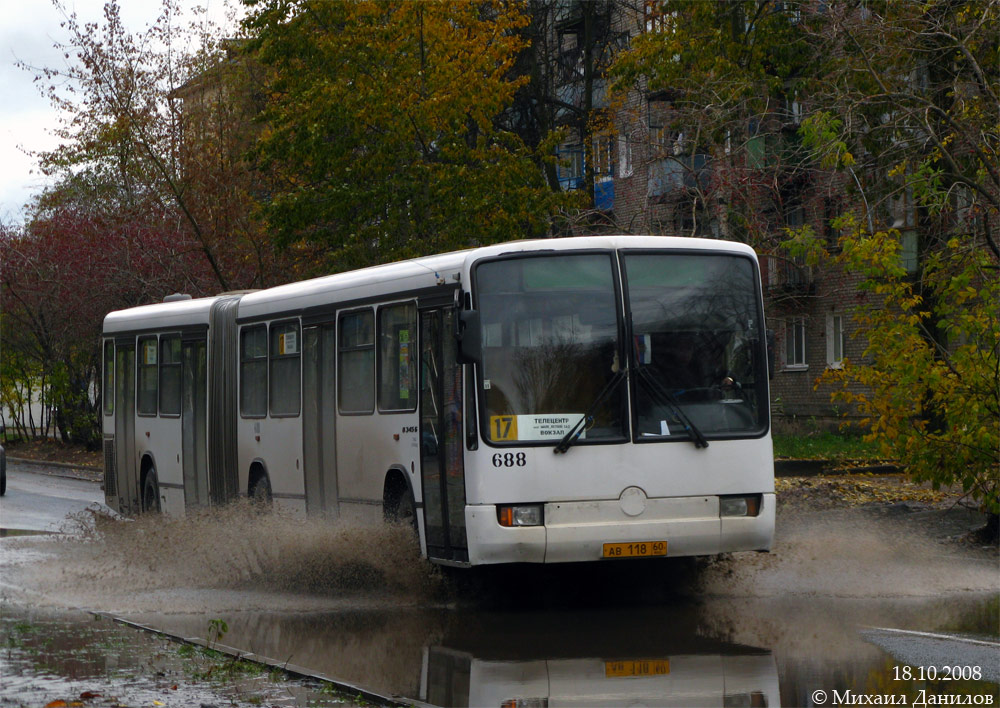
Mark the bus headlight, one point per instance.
(739, 505)
(520, 515)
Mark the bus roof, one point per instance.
(160, 316)
(445, 269)
(575, 243)
(374, 281)
(384, 280)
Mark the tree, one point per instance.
(910, 109)
(141, 133)
(59, 275)
(378, 132)
(724, 83)
(152, 195)
(568, 47)
(899, 126)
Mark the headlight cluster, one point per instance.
(520, 515)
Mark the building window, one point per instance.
(835, 341)
(604, 155)
(625, 162)
(108, 394)
(908, 254)
(285, 379)
(655, 15)
(904, 213)
(795, 344)
(691, 218)
(831, 213)
(253, 371)
(170, 375)
(356, 375)
(147, 376)
(570, 166)
(795, 217)
(660, 141)
(397, 368)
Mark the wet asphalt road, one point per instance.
(609, 645)
(39, 498)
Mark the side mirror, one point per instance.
(770, 353)
(470, 337)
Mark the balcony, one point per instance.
(781, 274)
(675, 176)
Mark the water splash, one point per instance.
(160, 562)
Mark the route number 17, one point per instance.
(503, 427)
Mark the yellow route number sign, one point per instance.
(503, 428)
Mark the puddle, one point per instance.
(83, 659)
(837, 607)
(720, 652)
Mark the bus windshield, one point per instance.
(696, 338)
(554, 353)
(551, 345)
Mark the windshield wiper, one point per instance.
(666, 395)
(588, 418)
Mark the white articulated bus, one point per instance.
(541, 401)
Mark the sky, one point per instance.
(28, 30)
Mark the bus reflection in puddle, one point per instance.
(453, 678)
(648, 657)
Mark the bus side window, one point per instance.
(108, 393)
(148, 373)
(397, 371)
(285, 371)
(253, 371)
(356, 373)
(170, 375)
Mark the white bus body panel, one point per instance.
(158, 437)
(367, 448)
(275, 443)
(581, 492)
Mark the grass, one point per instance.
(823, 445)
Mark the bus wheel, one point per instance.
(260, 490)
(150, 492)
(403, 511)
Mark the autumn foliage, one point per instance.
(929, 386)
(379, 133)
(60, 275)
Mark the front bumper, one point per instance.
(577, 531)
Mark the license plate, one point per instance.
(624, 669)
(636, 549)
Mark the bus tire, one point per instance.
(150, 492)
(399, 506)
(260, 489)
(406, 510)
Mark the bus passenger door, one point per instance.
(442, 470)
(194, 422)
(127, 474)
(319, 454)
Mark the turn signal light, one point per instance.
(520, 515)
(740, 505)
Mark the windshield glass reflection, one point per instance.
(550, 347)
(696, 345)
